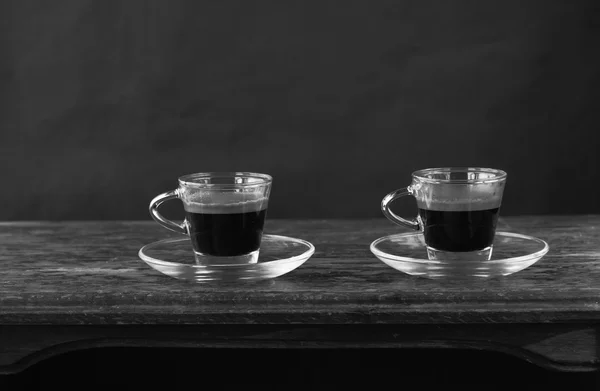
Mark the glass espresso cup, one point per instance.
(458, 210)
(224, 215)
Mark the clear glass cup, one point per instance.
(225, 214)
(458, 210)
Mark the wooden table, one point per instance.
(70, 285)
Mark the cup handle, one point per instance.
(168, 224)
(412, 223)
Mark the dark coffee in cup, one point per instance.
(458, 211)
(459, 218)
(226, 224)
(225, 215)
(459, 230)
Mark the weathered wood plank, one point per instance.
(89, 273)
(72, 285)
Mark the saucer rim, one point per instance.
(521, 258)
(305, 255)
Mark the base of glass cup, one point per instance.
(213, 260)
(459, 257)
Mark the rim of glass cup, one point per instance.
(495, 175)
(189, 179)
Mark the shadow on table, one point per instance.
(314, 368)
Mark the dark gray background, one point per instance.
(103, 104)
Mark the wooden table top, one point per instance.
(89, 273)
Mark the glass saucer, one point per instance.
(278, 255)
(511, 253)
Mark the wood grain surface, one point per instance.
(89, 273)
(67, 285)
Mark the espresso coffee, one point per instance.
(226, 224)
(459, 231)
(460, 218)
